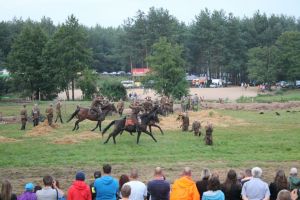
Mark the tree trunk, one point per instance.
(68, 94)
(73, 85)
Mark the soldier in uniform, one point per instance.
(49, 114)
(208, 136)
(135, 109)
(58, 111)
(148, 104)
(120, 107)
(35, 115)
(185, 121)
(196, 126)
(195, 102)
(23, 114)
(96, 105)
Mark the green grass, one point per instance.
(277, 96)
(265, 138)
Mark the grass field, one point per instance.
(266, 140)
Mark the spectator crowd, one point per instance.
(249, 186)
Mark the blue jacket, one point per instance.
(216, 195)
(106, 188)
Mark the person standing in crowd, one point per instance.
(35, 115)
(50, 190)
(79, 190)
(232, 187)
(122, 180)
(28, 194)
(58, 111)
(6, 191)
(184, 188)
(138, 188)
(125, 192)
(23, 115)
(202, 185)
(106, 187)
(247, 177)
(49, 114)
(287, 195)
(255, 188)
(213, 192)
(294, 181)
(280, 183)
(158, 188)
(97, 174)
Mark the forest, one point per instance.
(45, 57)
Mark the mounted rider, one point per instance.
(135, 109)
(148, 104)
(96, 105)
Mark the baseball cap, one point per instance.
(29, 187)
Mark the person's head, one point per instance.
(187, 171)
(248, 172)
(134, 174)
(205, 174)
(280, 180)
(256, 172)
(125, 191)
(6, 190)
(48, 180)
(284, 195)
(158, 172)
(29, 187)
(50, 104)
(293, 171)
(123, 179)
(80, 176)
(213, 183)
(36, 188)
(106, 169)
(97, 174)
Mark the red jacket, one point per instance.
(79, 190)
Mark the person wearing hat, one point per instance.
(49, 114)
(28, 194)
(79, 190)
(23, 114)
(35, 115)
(58, 111)
(97, 174)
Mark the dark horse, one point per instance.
(146, 120)
(84, 113)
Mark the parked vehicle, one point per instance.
(298, 84)
(128, 84)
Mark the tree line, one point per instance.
(45, 58)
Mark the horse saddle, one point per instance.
(129, 122)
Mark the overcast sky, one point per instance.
(114, 12)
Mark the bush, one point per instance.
(112, 89)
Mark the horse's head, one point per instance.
(109, 107)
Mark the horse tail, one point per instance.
(75, 113)
(108, 126)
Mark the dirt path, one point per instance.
(230, 93)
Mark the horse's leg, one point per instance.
(150, 128)
(138, 137)
(96, 126)
(99, 125)
(76, 126)
(114, 138)
(155, 125)
(151, 135)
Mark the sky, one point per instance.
(113, 12)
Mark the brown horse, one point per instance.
(85, 113)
